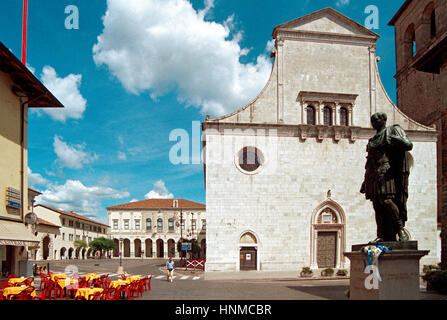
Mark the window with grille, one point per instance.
(148, 224)
(160, 225)
(327, 113)
(343, 117)
(311, 115)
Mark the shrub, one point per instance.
(327, 272)
(306, 270)
(436, 280)
(342, 272)
(431, 267)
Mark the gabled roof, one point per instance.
(72, 214)
(47, 223)
(160, 204)
(25, 83)
(331, 14)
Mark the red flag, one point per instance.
(25, 20)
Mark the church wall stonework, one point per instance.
(304, 165)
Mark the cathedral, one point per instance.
(283, 173)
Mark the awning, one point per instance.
(16, 234)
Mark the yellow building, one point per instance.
(19, 90)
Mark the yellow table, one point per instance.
(15, 281)
(117, 283)
(59, 276)
(66, 282)
(91, 276)
(133, 278)
(10, 291)
(85, 292)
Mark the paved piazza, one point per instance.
(189, 285)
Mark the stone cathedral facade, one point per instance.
(283, 173)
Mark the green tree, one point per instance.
(102, 244)
(80, 244)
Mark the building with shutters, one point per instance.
(283, 173)
(153, 228)
(19, 91)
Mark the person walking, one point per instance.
(170, 269)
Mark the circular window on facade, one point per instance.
(250, 159)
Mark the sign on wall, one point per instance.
(13, 198)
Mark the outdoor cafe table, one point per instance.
(15, 281)
(11, 291)
(85, 292)
(59, 276)
(66, 282)
(117, 283)
(91, 276)
(133, 278)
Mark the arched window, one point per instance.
(433, 30)
(171, 224)
(410, 42)
(343, 117)
(327, 113)
(160, 225)
(148, 224)
(311, 115)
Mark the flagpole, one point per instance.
(25, 21)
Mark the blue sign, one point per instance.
(13, 204)
(186, 247)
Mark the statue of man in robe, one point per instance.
(386, 178)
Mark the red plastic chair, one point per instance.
(111, 293)
(130, 289)
(56, 288)
(12, 276)
(148, 282)
(106, 283)
(43, 280)
(141, 286)
(3, 285)
(94, 296)
(24, 295)
(45, 294)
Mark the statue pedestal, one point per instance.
(399, 270)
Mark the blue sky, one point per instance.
(148, 68)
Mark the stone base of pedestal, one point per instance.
(399, 270)
(120, 270)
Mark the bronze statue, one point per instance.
(386, 178)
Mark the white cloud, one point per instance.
(159, 191)
(122, 155)
(161, 46)
(66, 90)
(36, 179)
(134, 200)
(74, 196)
(72, 157)
(341, 3)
